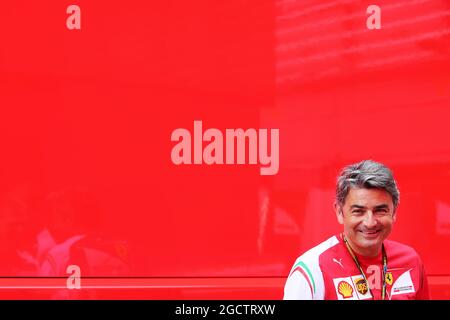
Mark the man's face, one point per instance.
(367, 216)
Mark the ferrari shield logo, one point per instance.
(389, 278)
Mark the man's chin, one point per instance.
(370, 243)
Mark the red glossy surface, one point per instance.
(86, 119)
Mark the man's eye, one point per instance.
(382, 212)
(357, 211)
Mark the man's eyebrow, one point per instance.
(356, 206)
(380, 206)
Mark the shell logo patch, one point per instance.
(345, 289)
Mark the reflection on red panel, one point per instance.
(86, 176)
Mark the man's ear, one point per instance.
(394, 215)
(339, 214)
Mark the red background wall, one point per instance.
(86, 117)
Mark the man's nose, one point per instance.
(370, 221)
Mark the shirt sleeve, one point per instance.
(297, 288)
(423, 293)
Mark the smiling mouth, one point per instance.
(370, 233)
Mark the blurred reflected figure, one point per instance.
(42, 236)
(19, 225)
(72, 236)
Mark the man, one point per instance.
(359, 263)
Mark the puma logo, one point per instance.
(338, 262)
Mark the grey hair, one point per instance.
(366, 174)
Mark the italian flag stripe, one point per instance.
(301, 266)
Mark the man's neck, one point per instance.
(371, 252)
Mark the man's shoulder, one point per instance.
(398, 246)
(395, 249)
(305, 280)
(313, 254)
